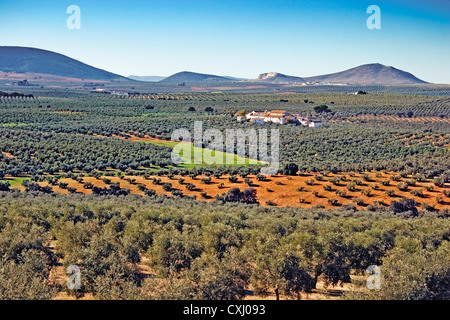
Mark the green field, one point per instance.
(202, 153)
(14, 182)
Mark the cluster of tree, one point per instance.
(15, 95)
(36, 153)
(203, 250)
(382, 145)
(114, 190)
(247, 196)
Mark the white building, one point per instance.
(276, 116)
(281, 117)
(315, 123)
(256, 114)
(119, 92)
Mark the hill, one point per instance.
(187, 76)
(37, 61)
(146, 78)
(277, 78)
(369, 74)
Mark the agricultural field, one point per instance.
(87, 178)
(357, 191)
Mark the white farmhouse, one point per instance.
(280, 117)
(256, 114)
(276, 116)
(315, 123)
(119, 92)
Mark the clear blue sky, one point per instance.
(241, 38)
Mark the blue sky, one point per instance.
(241, 38)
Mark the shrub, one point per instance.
(402, 187)
(390, 192)
(333, 201)
(341, 193)
(404, 205)
(428, 207)
(88, 185)
(335, 181)
(271, 203)
(206, 180)
(247, 196)
(190, 186)
(411, 182)
(71, 190)
(63, 185)
(386, 183)
(261, 177)
(417, 193)
(291, 169)
(439, 181)
(4, 186)
(440, 199)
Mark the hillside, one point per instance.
(146, 78)
(275, 77)
(187, 76)
(369, 74)
(37, 61)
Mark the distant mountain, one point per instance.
(369, 74)
(187, 76)
(278, 78)
(235, 79)
(24, 60)
(32, 60)
(146, 78)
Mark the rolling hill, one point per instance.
(369, 74)
(186, 76)
(146, 78)
(25, 60)
(275, 77)
(37, 62)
